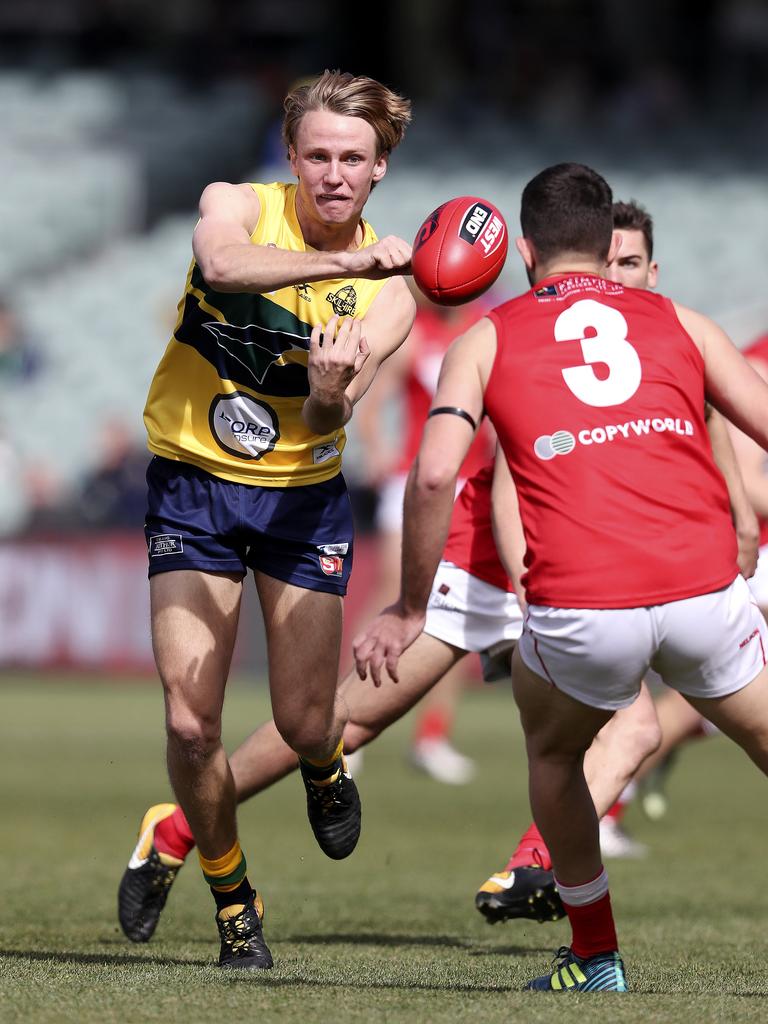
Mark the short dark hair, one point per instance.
(632, 216)
(567, 208)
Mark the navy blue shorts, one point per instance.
(301, 535)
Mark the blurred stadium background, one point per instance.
(116, 113)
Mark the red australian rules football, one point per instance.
(459, 250)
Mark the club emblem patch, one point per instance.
(344, 301)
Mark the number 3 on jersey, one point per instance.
(608, 345)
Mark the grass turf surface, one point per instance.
(390, 934)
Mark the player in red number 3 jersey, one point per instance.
(597, 393)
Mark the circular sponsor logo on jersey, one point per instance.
(546, 447)
(243, 426)
(542, 446)
(563, 442)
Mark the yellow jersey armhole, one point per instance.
(261, 195)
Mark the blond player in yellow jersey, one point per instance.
(290, 305)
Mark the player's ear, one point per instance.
(527, 253)
(292, 160)
(380, 167)
(653, 273)
(615, 247)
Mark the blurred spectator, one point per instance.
(20, 358)
(13, 497)
(115, 493)
(49, 506)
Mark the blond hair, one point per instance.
(386, 112)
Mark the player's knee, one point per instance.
(307, 733)
(647, 738)
(196, 737)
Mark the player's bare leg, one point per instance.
(194, 623)
(558, 732)
(525, 888)
(264, 757)
(622, 745)
(303, 630)
(678, 721)
(743, 716)
(610, 766)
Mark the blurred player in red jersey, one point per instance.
(596, 393)
(411, 377)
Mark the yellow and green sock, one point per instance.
(323, 773)
(227, 878)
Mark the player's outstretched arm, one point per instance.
(744, 519)
(429, 498)
(230, 262)
(734, 387)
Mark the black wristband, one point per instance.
(453, 410)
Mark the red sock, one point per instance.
(173, 835)
(433, 724)
(616, 811)
(530, 850)
(591, 922)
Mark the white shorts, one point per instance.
(469, 613)
(705, 646)
(389, 508)
(759, 582)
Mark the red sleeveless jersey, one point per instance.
(758, 350)
(597, 395)
(470, 543)
(429, 340)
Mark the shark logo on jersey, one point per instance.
(255, 348)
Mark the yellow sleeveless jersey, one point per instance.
(229, 390)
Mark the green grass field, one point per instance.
(391, 935)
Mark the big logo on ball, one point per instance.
(243, 426)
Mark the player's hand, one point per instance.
(337, 353)
(384, 641)
(388, 257)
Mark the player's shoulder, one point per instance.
(702, 330)
(231, 200)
